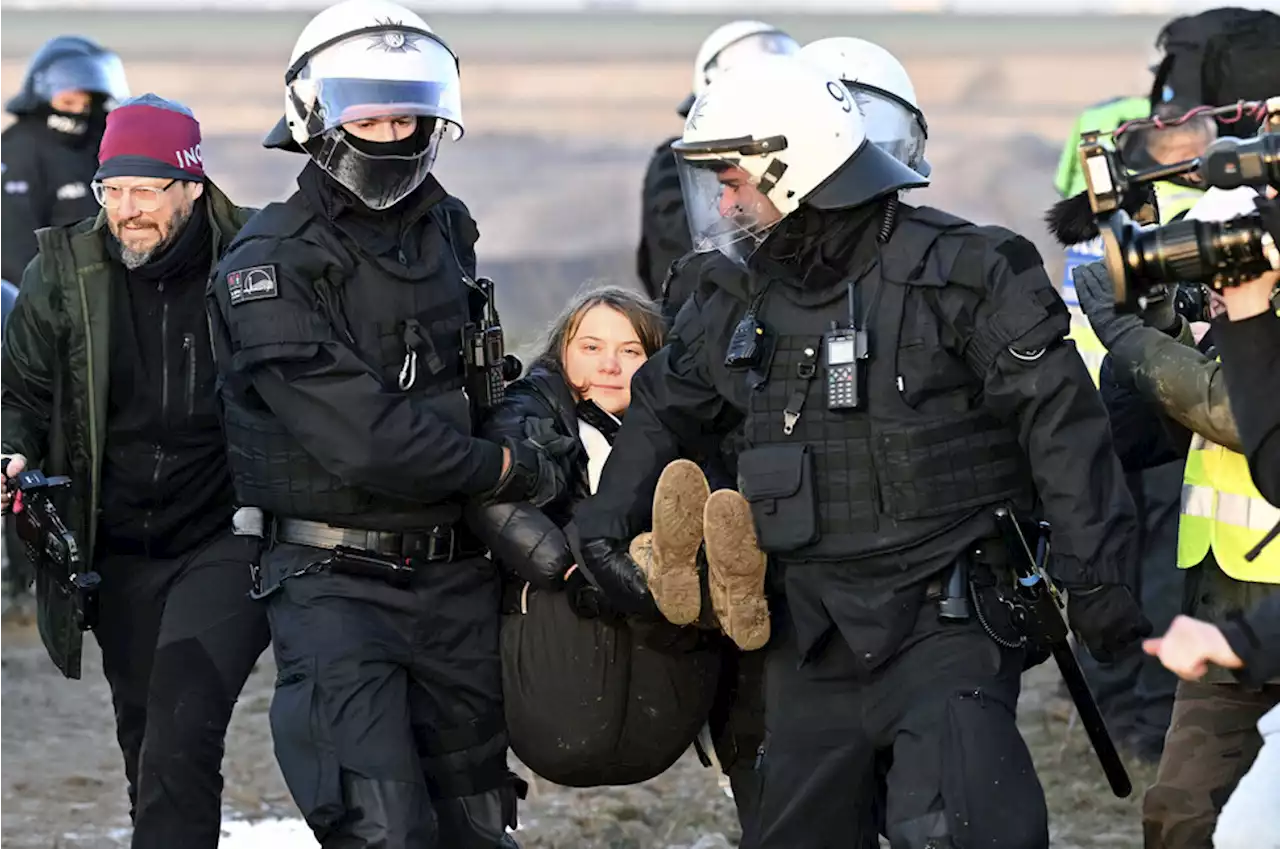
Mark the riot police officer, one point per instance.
(339, 318)
(664, 232)
(897, 373)
(51, 151)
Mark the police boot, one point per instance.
(669, 555)
(735, 570)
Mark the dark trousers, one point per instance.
(179, 637)
(942, 708)
(1135, 692)
(387, 715)
(737, 730)
(1212, 742)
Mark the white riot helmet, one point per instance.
(362, 60)
(883, 92)
(730, 44)
(766, 137)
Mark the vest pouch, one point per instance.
(778, 483)
(945, 467)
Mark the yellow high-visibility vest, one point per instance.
(1172, 200)
(1222, 510)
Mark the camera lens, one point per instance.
(1220, 253)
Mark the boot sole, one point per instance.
(678, 503)
(736, 570)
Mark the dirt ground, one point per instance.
(562, 114)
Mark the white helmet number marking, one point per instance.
(841, 94)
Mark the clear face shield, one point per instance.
(891, 124)
(366, 78)
(727, 208)
(102, 74)
(751, 47)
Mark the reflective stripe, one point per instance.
(1198, 500)
(1245, 512)
(1229, 508)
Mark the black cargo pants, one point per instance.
(387, 716)
(942, 708)
(179, 637)
(737, 729)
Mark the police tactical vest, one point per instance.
(886, 477)
(385, 317)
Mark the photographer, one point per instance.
(1249, 343)
(109, 378)
(1212, 738)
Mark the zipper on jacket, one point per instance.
(164, 359)
(189, 355)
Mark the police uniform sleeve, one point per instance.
(30, 357)
(1168, 370)
(1251, 364)
(331, 400)
(673, 400)
(1011, 325)
(20, 205)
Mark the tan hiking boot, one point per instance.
(735, 570)
(678, 502)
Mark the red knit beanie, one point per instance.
(148, 136)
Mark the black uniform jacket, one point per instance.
(994, 340)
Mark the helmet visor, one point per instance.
(891, 125)
(380, 74)
(102, 73)
(727, 210)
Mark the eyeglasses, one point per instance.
(145, 198)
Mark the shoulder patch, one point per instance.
(252, 284)
(1020, 254)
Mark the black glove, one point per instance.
(1097, 296)
(1106, 619)
(535, 475)
(618, 576)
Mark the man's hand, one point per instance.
(1189, 646)
(1106, 619)
(14, 464)
(1251, 298)
(1097, 297)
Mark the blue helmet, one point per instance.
(69, 62)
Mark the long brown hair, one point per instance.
(643, 314)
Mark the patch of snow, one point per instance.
(266, 834)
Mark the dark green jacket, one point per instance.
(54, 396)
(1190, 388)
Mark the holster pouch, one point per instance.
(778, 482)
(349, 561)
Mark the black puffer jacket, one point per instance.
(533, 544)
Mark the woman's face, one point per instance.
(600, 359)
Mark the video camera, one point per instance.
(53, 549)
(1139, 258)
